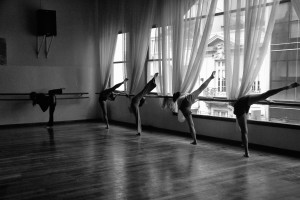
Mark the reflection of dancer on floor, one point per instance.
(185, 102)
(242, 106)
(46, 101)
(139, 99)
(109, 94)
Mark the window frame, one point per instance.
(124, 62)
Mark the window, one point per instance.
(220, 113)
(220, 66)
(119, 63)
(155, 61)
(256, 86)
(280, 68)
(285, 67)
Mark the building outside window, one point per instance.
(285, 66)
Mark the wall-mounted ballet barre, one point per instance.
(218, 99)
(79, 96)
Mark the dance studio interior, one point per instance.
(87, 107)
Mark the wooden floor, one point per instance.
(86, 161)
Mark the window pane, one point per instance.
(279, 70)
(294, 29)
(154, 42)
(153, 67)
(294, 15)
(118, 75)
(120, 48)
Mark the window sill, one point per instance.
(262, 123)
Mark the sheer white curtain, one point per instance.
(296, 5)
(185, 28)
(139, 15)
(109, 25)
(248, 26)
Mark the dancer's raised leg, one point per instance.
(260, 97)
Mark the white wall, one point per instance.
(72, 62)
(153, 115)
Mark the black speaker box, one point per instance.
(46, 22)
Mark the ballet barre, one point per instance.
(218, 99)
(79, 95)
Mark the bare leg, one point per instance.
(190, 122)
(119, 84)
(103, 106)
(242, 121)
(204, 85)
(51, 114)
(136, 112)
(260, 97)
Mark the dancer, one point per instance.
(46, 101)
(185, 102)
(138, 100)
(108, 94)
(242, 106)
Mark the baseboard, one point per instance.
(269, 149)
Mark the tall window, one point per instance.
(119, 64)
(221, 76)
(155, 61)
(285, 67)
(280, 68)
(256, 86)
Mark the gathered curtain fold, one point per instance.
(248, 26)
(138, 17)
(109, 25)
(185, 30)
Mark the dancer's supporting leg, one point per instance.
(136, 102)
(252, 99)
(52, 104)
(136, 111)
(189, 119)
(51, 110)
(242, 121)
(186, 104)
(104, 111)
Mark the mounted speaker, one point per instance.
(46, 22)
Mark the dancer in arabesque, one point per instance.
(185, 102)
(45, 102)
(242, 106)
(138, 100)
(109, 94)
